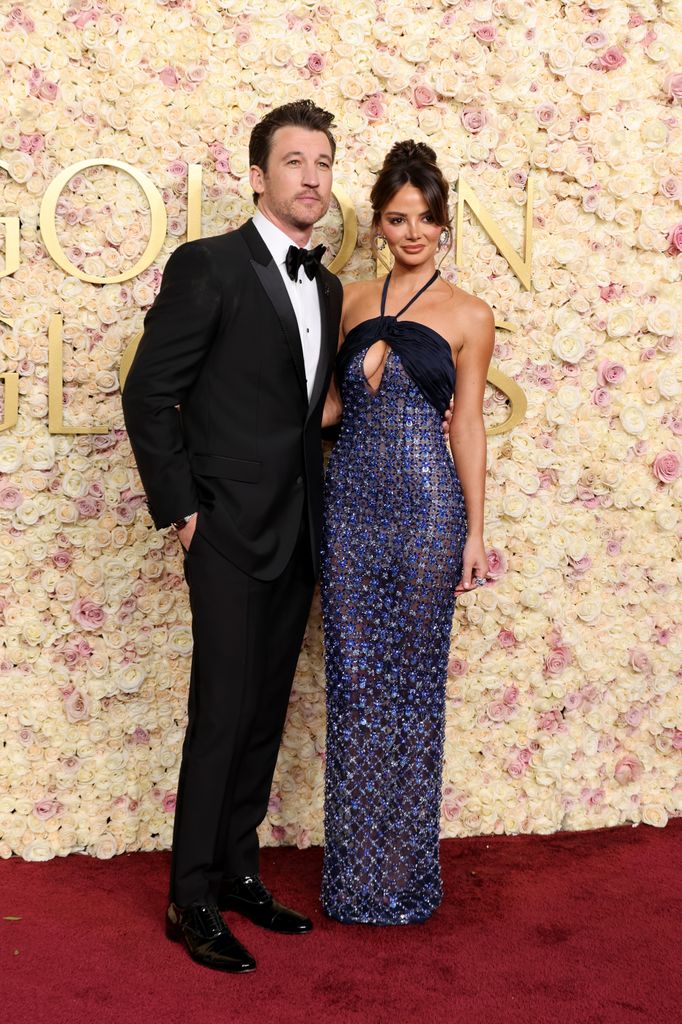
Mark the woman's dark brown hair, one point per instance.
(412, 163)
(299, 114)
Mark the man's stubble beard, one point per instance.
(287, 214)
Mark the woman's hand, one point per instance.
(475, 565)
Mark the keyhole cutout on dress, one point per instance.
(374, 364)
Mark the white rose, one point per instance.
(633, 419)
(588, 609)
(654, 814)
(569, 346)
(620, 322)
(514, 506)
(662, 320)
(666, 519)
(668, 383)
(130, 679)
(10, 455)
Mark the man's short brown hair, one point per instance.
(299, 114)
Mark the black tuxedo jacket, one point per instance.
(216, 405)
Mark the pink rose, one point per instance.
(590, 201)
(485, 32)
(457, 667)
(316, 63)
(595, 39)
(634, 716)
(84, 18)
(635, 20)
(195, 73)
(516, 768)
(169, 77)
(664, 635)
(609, 372)
(673, 86)
(581, 565)
(45, 809)
(557, 660)
(506, 638)
(10, 497)
(474, 120)
(373, 108)
(628, 769)
(671, 188)
(89, 508)
(675, 237)
(168, 803)
(550, 721)
(600, 397)
(497, 711)
(517, 179)
(545, 113)
(424, 96)
(497, 563)
(612, 58)
(613, 548)
(31, 143)
(88, 614)
(639, 660)
(242, 35)
(48, 91)
(572, 701)
(667, 466)
(178, 168)
(76, 706)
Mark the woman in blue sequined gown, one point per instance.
(402, 533)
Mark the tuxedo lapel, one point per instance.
(327, 344)
(273, 285)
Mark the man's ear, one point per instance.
(256, 179)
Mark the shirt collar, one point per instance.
(276, 240)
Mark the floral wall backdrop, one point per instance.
(564, 682)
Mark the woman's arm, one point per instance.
(333, 406)
(467, 433)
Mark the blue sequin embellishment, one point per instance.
(395, 527)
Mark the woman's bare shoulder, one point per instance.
(354, 290)
(360, 297)
(470, 308)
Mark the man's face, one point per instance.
(296, 186)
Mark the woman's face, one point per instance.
(409, 228)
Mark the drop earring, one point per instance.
(380, 242)
(444, 238)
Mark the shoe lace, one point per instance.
(209, 920)
(257, 888)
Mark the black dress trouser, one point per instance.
(247, 637)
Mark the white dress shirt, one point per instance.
(303, 295)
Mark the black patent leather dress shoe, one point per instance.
(207, 938)
(248, 896)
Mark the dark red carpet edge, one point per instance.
(582, 928)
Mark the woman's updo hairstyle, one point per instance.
(412, 163)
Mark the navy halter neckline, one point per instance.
(424, 353)
(414, 298)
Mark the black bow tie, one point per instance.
(309, 259)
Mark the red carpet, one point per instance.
(576, 928)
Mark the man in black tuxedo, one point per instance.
(223, 406)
